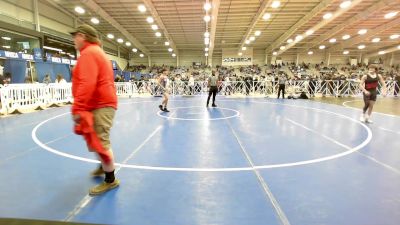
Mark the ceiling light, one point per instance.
(206, 34)
(390, 15)
(110, 36)
(120, 40)
(361, 47)
(345, 4)
(206, 49)
(150, 19)
(345, 37)
(142, 8)
(173, 55)
(290, 41)
(94, 20)
(282, 48)
(206, 41)
(166, 43)
(207, 6)
(252, 38)
(327, 16)
(154, 27)
(170, 49)
(6, 38)
(332, 40)
(381, 52)
(79, 10)
(240, 54)
(345, 52)
(299, 37)
(274, 53)
(376, 40)
(207, 18)
(362, 31)
(275, 4)
(6, 46)
(398, 47)
(309, 32)
(257, 33)
(128, 43)
(244, 48)
(206, 54)
(247, 42)
(322, 47)
(266, 16)
(394, 36)
(310, 52)
(141, 55)
(134, 50)
(158, 34)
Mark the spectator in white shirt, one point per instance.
(60, 79)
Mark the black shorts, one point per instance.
(371, 97)
(212, 89)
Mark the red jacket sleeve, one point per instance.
(84, 82)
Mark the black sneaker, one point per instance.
(214, 105)
(160, 107)
(165, 110)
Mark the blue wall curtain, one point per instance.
(127, 75)
(43, 68)
(62, 69)
(17, 68)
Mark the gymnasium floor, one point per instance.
(247, 162)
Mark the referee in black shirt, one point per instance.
(212, 88)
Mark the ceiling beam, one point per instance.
(261, 10)
(388, 50)
(149, 5)
(214, 19)
(323, 23)
(360, 16)
(315, 11)
(354, 41)
(97, 9)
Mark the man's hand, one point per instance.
(76, 118)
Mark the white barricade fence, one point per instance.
(21, 97)
(3, 103)
(17, 97)
(59, 93)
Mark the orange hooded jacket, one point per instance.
(93, 80)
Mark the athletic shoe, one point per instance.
(214, 105)
(368, 120)
(97, 172)
(160, 107)
(362, 118)
(165, 110)
(103, 187)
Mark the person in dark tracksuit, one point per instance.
(281, 83)
(212, 88)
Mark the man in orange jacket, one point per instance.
(95, 102)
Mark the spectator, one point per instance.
(47, 79)
(60, 79)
